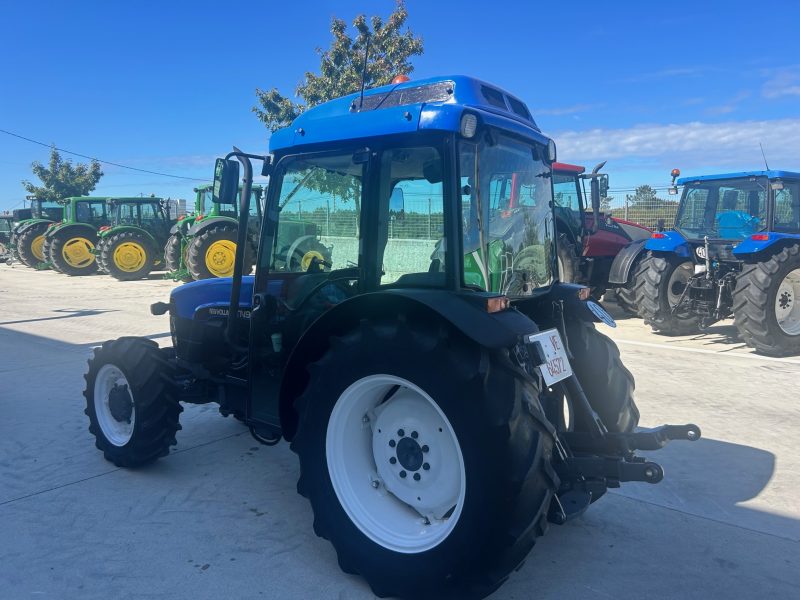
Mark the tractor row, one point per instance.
(734, 252)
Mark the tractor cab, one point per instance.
(47, 209)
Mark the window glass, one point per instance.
(725, 209)
(411, 218)
(507, 219)
(149, 212)
(565, 192)
(320, 208)
(787, 207)
(126, 214)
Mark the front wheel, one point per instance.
(426, 486)
(766, 303)
(29, 245)
(660, 298)
(131, 404)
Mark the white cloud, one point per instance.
(564, 110)
(732, 143)
(785, 82)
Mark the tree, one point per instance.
(61, 179)
(644, 195)
(341, 65)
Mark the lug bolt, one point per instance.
(403, 474)
(401, 433)
(426, 466)
(365, 419)
(416, 477)
(414, 434)
(393, 460)
(376, 483)
(425, 448)
(392, 443)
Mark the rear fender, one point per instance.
(77, 229)
(545, 308)
(462, 312)
(624, 261)
(124, 228)
(199, 227)
(749, 248)
(22, 227)
(670, 242)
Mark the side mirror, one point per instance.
(397, 203)
(226, 181)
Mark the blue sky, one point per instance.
(167, 86)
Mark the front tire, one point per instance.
(664, 280)
(29, 245)
(127, 255)
(131, 404)
(473, 448)
(766, 303)
(212, 253)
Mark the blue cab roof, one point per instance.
(435, 103)
(771, 174)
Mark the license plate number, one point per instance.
(556, 365)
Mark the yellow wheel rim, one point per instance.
(130, 257)
(305, 262)
(36, 247)
(77, 252)
(220, 258)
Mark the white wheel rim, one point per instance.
(677, 282)
(117, 430)
(787, 308)
(408, 514)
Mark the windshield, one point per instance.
(506, 194)
(724, 209)
(206, 204)
(44, 209)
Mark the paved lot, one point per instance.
(219, 517)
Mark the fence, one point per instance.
(644, 211)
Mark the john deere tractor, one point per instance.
(27, 236)
(6, 225)
(132, 245)
(202, 244)
(734, 252)
(444, 407)
(69, 245)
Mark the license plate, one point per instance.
(556, 364)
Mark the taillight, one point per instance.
(659, 236)
(497, 304)
(759, 237)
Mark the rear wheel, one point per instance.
(766, 303)
(426, 486)
(304, 255)
(567, 260)
(172, 255)
(127, 255)
(71, 252)
(664, 281)
(29, 245)
(212, 253)
(131, 404)
(626, 296)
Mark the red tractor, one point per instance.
(587, 245)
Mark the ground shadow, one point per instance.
(67, 314)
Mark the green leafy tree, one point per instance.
(391, 47)
(62, 179)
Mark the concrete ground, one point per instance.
(220, 518)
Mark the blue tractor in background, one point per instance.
(734, 251)
(446, 395)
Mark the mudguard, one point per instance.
(88, 229)
(669, 241)
(122, 228)
(624, 261)
(464, 311)
(762, 241)
(566, 295)
(199, 227)
(21, 227)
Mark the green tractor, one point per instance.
(202, 244)
(69, 246)
(131, 246)
(6, 225)
(27, 236)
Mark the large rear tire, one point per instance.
(131, 404)
(664, 280)
(212, 253)
(626, 296)
(127, 255)
(567, 260)
(29, 245)
(766, 303)
(172, 256)
(429, 487)
(71, 252)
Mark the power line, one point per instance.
(105, 162)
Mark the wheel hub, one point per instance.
(129, 257)
(120, 403)
(221, 257)
(787, 310)
(78, 252)
(410, 454)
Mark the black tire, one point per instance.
(155, 409)
(301, 255)
(567, 260)
(202, 243)
(626, 296)
(66, 236)
(507, 459)
(756, 302)
(144, 254)
(608, 385)
(172, 256)
(24, 242)
(660, 289)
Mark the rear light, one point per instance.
(658, 235)
(497, 304)
(584, 293)
(181, 218)
(676, 172)
(104, 228)
(759, 237)
(200, 217)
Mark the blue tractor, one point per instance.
(446, 396)
(735, 251)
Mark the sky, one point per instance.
(168, 86)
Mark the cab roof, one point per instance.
(771, 174)
(431, 104)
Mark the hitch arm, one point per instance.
(613, 470)
(625, 443)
